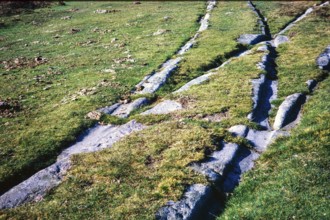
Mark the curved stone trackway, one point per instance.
(224, 167)
(307, 12)
(98, 137)
(278, 39)
(153, 82)
(95, 139)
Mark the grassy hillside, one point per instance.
(87, 60)
(141, 173)
(93, 60)
(280, 13)
(290, 180)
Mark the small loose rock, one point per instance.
(66, 18)
(94, 115)
(160, 32)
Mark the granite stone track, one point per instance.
(225, 166)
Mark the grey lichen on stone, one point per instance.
(164, 107)
(124, 110)
(239, 130)
(251, 39)
(154, 82)
(289, 110)
(214, 166)
(258, 139)
(196, 81)
(323, 61)
(280, 39)
(192, 202)
(311, 84)
(36, 187)
(100, 137)
(109, 109)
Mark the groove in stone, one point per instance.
(289, 110)
(38, 185)
(264, 89)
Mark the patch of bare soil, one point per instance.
(9, 108)
(22, 62)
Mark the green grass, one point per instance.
(280, 13)
(290, 180)
(296, 61)
(51, 119)
(139, 174)
(129, 181)
(216, 44)
(229, 92)
(142, 172)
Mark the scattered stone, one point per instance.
(89, 42)
(289, 110)
(166, 18)
(87, 91)
(74, 30)
(113, 40)
(164, 107)
(109, 71)
(109, 109)
(251, 39)
(94, 115)
(124, 110)
(239, 130)
(121, 45)
(66, 18)
(323, 61)
(73, 10)
(47, 87)
(160, 32)
(105, 83)
(124, 60)
(105, 11)
(311, 84)
(280, 39)
(81, 92)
